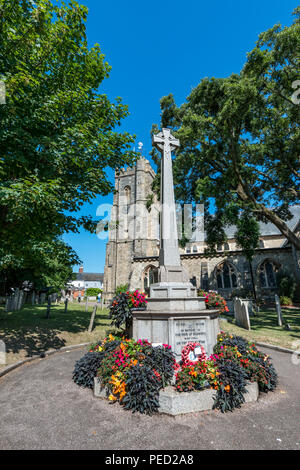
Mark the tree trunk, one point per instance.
(282, 226)
(252, 280)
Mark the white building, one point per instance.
(86, 280)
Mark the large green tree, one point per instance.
(39, 264)
(240, 140)
(57, 130)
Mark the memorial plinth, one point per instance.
(174, 314)
(177, 327)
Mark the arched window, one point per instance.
(195, 249)
(261, 244)
(150, 277)
(127, 192)
(226, 247)
(266, 273)
(226, 276)
(127, 199)
(219, 247)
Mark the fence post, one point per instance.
(92, 319)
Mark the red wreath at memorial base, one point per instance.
(189, 348)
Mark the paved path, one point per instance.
(41, 408)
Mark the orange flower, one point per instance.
(227, 388)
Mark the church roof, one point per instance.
(269, 228)
(89, 277)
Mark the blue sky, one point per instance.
(156, 48)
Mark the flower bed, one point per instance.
(133, 372)
(234, 363)
(214, 300)
(120, 309)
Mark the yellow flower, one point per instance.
(112, 397)
(100, 349)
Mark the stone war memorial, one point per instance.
(168, 361)
(174, 314)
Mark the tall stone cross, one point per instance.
(169, 251)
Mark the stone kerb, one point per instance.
(175, 403)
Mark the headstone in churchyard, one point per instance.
(66, 305)
(21, 300)
(48, 307)
(241, 314)
(33, 295)
(42, 298)
(8, 303)
(278, 310)
(15, 300)
(2, 353)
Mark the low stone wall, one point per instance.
(176, 403)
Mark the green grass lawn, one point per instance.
(28, 332)
(265, 329)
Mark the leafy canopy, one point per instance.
(57, 131)
(240, 144)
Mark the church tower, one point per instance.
(133, 230)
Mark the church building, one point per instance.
(133, 246)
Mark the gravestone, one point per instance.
(174, 314)
(241, 314)
(2, 353)
(21, 300)
(48, 307)
(15, 300)
(8, 303)
(278, 310)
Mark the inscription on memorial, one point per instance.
(189, 330)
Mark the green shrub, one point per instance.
(92, 292)
(285, 300)
(121, 289)
(286, 284)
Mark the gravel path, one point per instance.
(41, 408)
